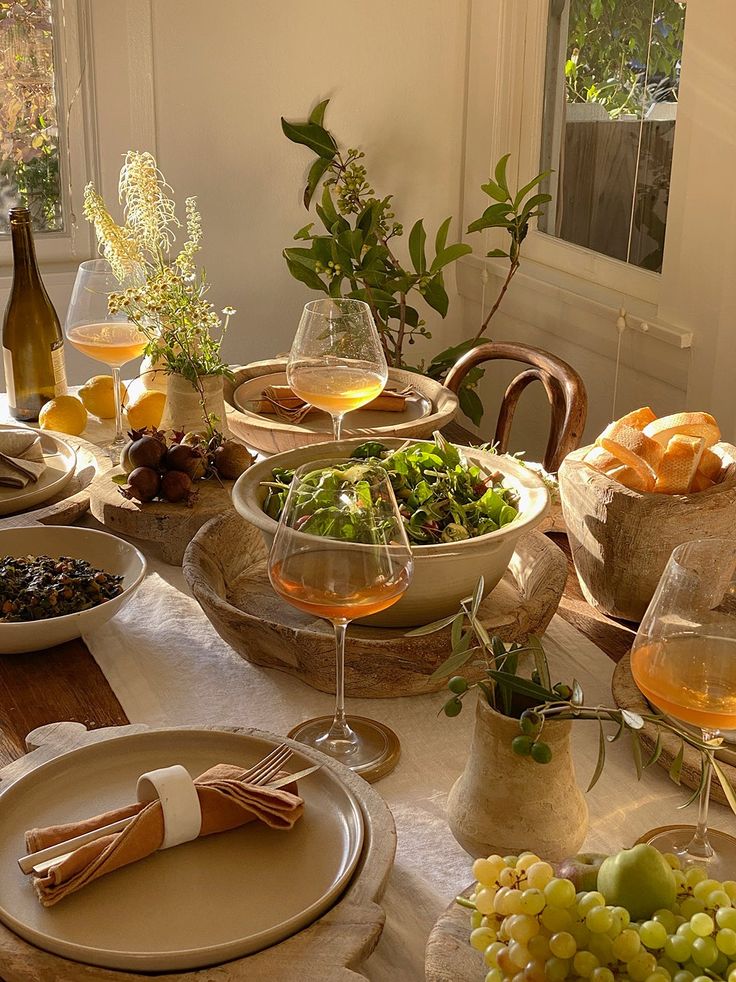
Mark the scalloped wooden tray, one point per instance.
(225, 566)
(329, 949)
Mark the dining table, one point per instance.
(160, 663)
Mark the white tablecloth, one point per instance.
(167, 666)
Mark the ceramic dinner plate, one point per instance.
(61, 461)
(198, 904)
(249, 393)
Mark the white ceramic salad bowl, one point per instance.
(444, 573)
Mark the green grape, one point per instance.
(534, 971)
(720, 965)
(690, 906)
(508, 877)
(683, 976)
(503, 960)
(481, 937)
(590, 900)
(704, 952)
(668, 964)
(527, 859)
(726, 917)
(584, 962)
(703, 887)
(484, 900)
(581, 934)
(513, 901)
(626, 945)
(486, 870)
(685, 931)
(556, 969)
(560, 893)
(475, 918)
(680, 881)
(658, 975)
(539, 947)
(491, 953)
(602, 947)
(717, 899)
(499, 901)
(702, 925)
(653, 934)
(521, 927)
(495, 975)
(556, 919)
(602, 974)
(511, 861)
(702, 978)
(641, 966)
(730, 887)
(519, 954)
(532, 901)
(731, 970)
(563, 945)
(598, 920)
(696, 874)
(621, 917)
(678, 947)
(539, 874)
(726, 941)
(667, 919)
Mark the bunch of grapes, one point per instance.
(532, 926)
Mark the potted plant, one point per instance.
(164, 293)
(355, 253)
(503, 801)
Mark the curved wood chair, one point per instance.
(564, 387)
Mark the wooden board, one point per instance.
(627, 695)
(448, 956)
(74, 498)
(225, 566)
(169, 527)
(327, 950)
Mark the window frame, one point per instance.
(74, 71)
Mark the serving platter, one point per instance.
(242, 874)
(225, 566)
(429, 408)
(60, 459)
(448, 956)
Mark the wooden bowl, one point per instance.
(271, 435)
(445, 572)
(225, 566)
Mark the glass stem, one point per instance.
(337, 425)
(699, 848)
(118, 409)
(340, 730)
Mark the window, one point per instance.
(29, 131)
(610, 110)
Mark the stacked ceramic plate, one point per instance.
(60, 459)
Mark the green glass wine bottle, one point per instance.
(33, 345)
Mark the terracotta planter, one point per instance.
(183, 411)
(503, 803)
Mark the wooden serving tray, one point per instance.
(225, 566)
(74, 498)
(327, 950)
(449, 956)
(627, 695)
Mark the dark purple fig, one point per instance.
(176, 486)
(181, 457)
(146, 452)
(143, 483)
(231, 459)
(125, 457)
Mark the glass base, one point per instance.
(676, 839)
(114, 449)
(373, 749)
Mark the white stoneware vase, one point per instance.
(182, 410)
(506, 804)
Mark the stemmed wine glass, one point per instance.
(336, 361)
(341, 553)
(109, 338)
(684, 662)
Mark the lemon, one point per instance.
(66, 414)
(147, 410)
(98, 396)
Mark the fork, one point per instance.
(259, 774)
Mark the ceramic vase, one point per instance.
(183, 410)
(506, 804)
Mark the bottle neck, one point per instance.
(25, 267)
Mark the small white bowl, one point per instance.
(444, 573)
(104, 551)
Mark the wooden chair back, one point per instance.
(564, 387)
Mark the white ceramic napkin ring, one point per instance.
(174, 788)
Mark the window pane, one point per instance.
(29, 135)
(613, 72)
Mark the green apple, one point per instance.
(639, 879)
(581, 869)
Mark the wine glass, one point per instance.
(341, 552)
(106, 337)
(336, 362)
(684, 662)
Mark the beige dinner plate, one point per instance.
(201, 903)
(61, 460)
(250, 392)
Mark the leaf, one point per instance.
(524, 687)
(451, 355)
(456, 634)
(540, 661)
(617, 734)
(436, 295)
(441, 237)
(478, 595)
(523, 192)
(449, 255)
(470, 404)
(482, 634)
(494, 191)
(497, 254)
(577, 698)
(500, 173)
(495, 216)
(419, 632)
(636, 753)
(696, 791)
(538, 199)
(632, 720)
(725, 784)
(303, 273)
(120, 479)
(310, 135)
(417, 238)
(328, 213)
(317, 115)
(452, 664)
(303, 232)
(601, 756)
(656, 753)
(676, 765)
(316, 173)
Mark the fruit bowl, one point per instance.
(444, 573)
(104, 551)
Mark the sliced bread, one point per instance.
(684, 424)
(632, 447)
(679, 464)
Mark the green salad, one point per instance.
(442, 497)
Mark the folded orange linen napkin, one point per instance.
(226, 802)
(21, 457)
